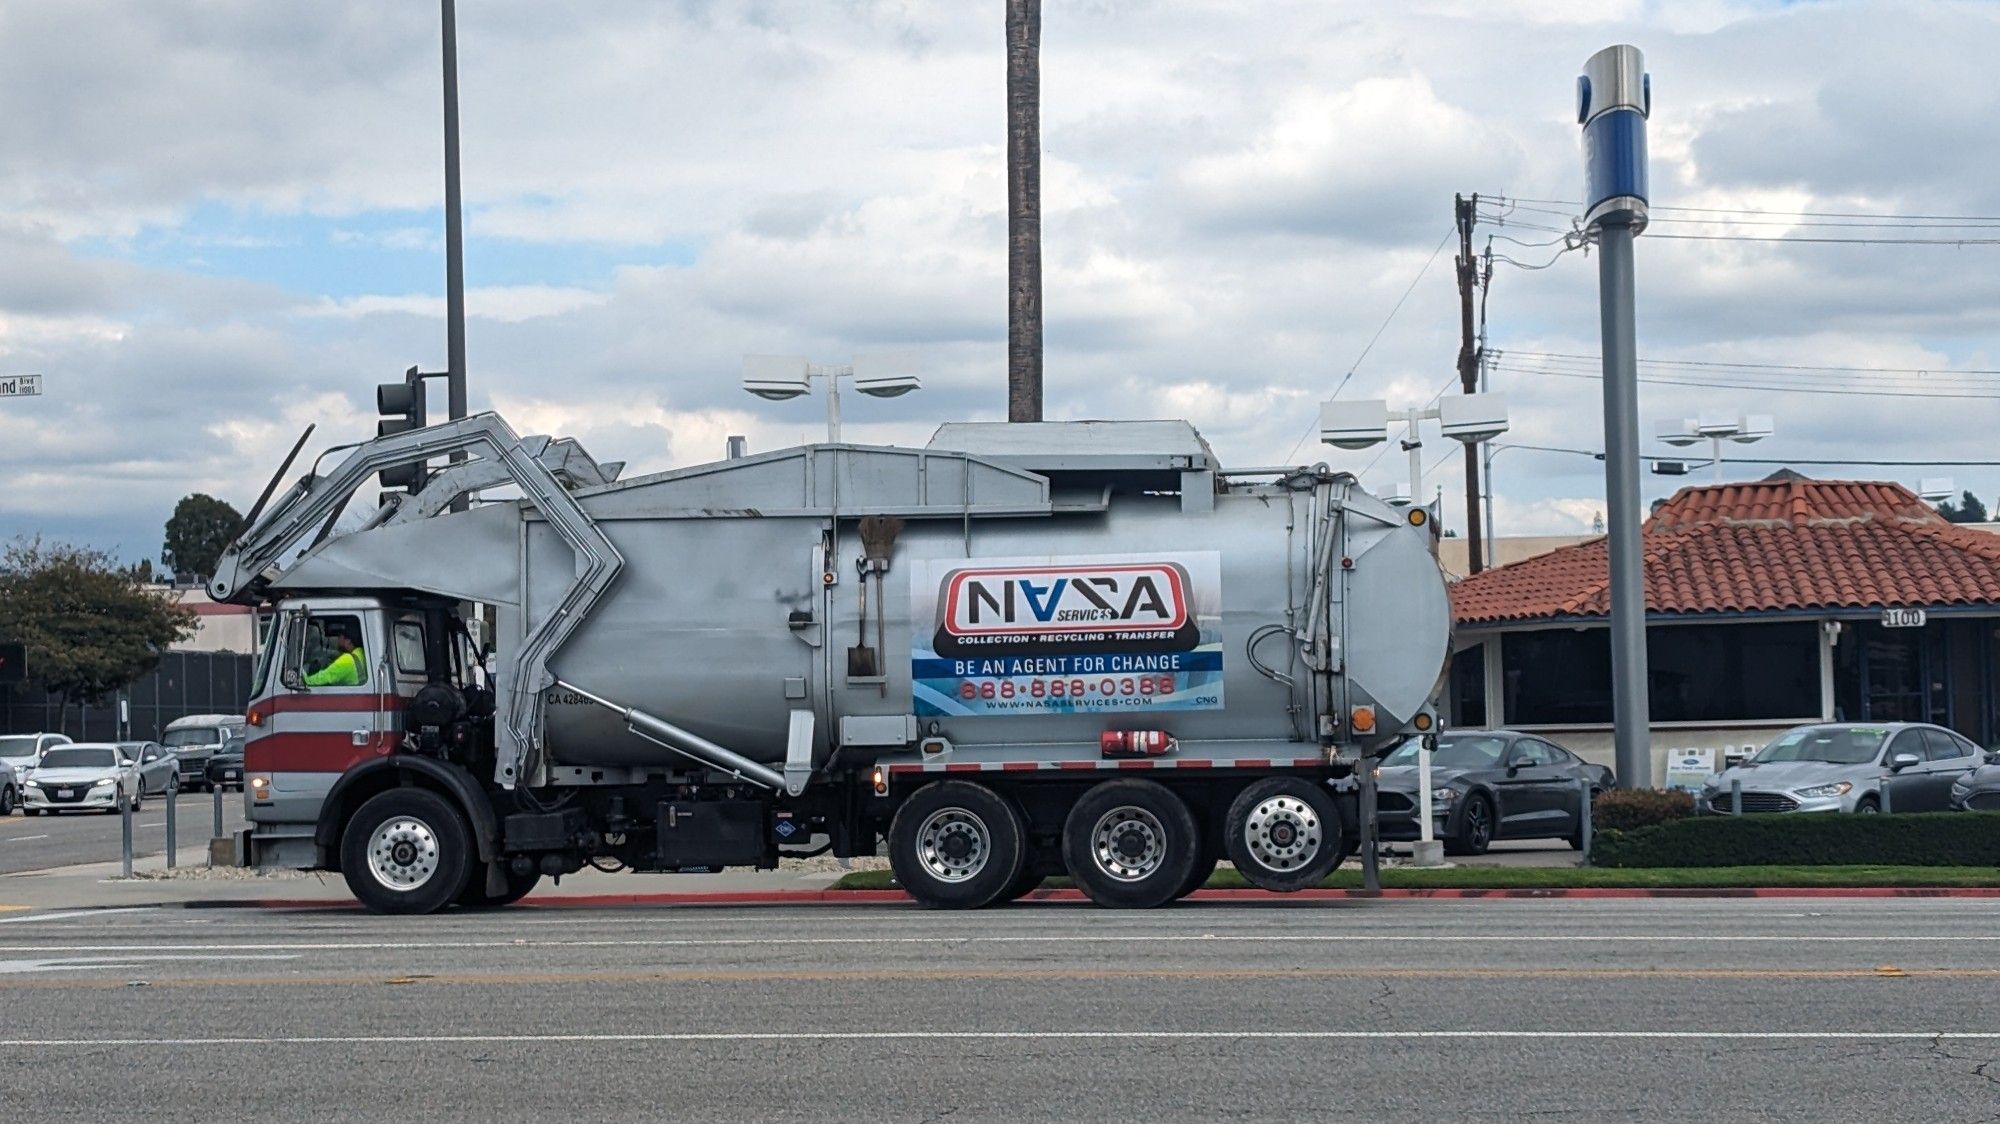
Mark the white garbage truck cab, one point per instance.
(1022, 650)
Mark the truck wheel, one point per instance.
(957, 845)
(1024, 884)
(474, 896)
(1199, 872)
(1130, 844)
(1283, 834)
(406, 851)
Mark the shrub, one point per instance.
(1631, 809)
(1811, 839)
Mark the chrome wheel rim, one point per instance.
(953, 845)
(1128, 843)
(403, 853)
(1283, 833)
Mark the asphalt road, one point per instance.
(69, 838)
(1391, 1010)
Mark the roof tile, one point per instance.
(1772, 545)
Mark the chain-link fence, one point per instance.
(184, 683)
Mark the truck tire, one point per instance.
(1131, 844)
(474, 896)
(957, 845)
(407, 850)
(1198, 874)
(1024, 884)
(1283, 834)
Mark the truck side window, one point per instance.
(409, 638)
(326, 639)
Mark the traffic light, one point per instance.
(401, 405)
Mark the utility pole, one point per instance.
(1024, 211)
(1464, 210)
(454, 235)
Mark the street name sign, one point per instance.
(20, 386)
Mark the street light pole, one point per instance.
(1614, 101)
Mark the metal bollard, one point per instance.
(1589, 825)
(125, 816)
(1736, 796)
(173, 798)
(1885, 795)
(217, 790)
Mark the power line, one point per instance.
(1756, 366)
(1352, 367)
(1510, 200)
(1798, 388)
(1818, 241)
(1773, 460)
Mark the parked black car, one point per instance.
(1488, 785)
(225, 766)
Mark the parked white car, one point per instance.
(22, 751)
(83, 777)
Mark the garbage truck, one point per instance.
(1081, 648)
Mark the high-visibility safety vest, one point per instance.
(344, 671)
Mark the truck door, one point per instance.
(330, 706)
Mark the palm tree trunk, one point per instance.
(1024, 211)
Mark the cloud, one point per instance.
(219, 225)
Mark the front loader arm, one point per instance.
(537, 465)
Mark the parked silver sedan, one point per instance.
(1848, 767)
(159, 767)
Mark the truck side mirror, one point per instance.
(292, 680)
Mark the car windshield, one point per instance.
(18, 746)
(1839, 745)
(1460, 752)
(69, 757)
(197, 735)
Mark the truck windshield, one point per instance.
(1839, 745)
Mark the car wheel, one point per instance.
(1475, 827)
(7, 800)
(1868, 806)
(1283, 834)
(957, 845)
(1130, 844)
(407, 850)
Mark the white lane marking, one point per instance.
(21, 838)
(85, 963)
(953, 939)
(1031, 1036)
(69, 915)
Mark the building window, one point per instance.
(1696, 673)
(1468, 687)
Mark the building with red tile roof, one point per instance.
(1768, 603)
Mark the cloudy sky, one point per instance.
(219, 221)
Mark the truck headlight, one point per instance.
(1840, 789)
(1444, 795)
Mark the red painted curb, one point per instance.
(884, 897)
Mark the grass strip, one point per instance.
(1554, 878)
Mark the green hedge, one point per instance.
(1623, 809)
(1815, 839)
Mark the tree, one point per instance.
(90, 625)
(200, 529)
(1024, 211)
(1968, 509)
